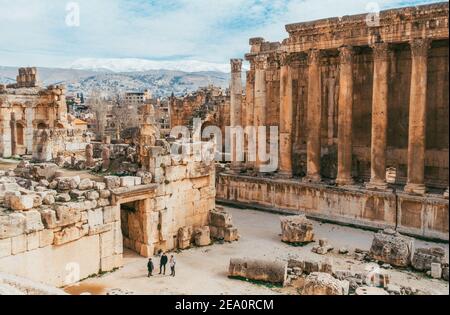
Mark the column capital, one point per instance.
(420, 47)
(313, 56)
(236, 65)
(380, 51)
(261, 62)
(284, 59)
(346, 54)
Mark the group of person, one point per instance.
(162, 265)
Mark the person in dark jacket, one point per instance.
(163, 263)
(150, 267)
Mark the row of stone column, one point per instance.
(417, 113)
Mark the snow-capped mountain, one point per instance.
(139, 65)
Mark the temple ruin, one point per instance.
(353, 101)
(34, 120)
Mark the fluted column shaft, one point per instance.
(236, 108)
(260, 98)
(379, 116)
(417, 117)
(314, 112)
(286, 116)
(345, 113)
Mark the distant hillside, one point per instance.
(160, 82)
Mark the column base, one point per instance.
(377, 185)
(417, 189)
(284, 174)
(345, 181)
(312, 179)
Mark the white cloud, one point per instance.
(208, 30)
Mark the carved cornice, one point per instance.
(236, 65)
(346, 54)
(380, 51)
(420, 47)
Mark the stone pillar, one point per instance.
(5, 133)
(286, 116)
(379, 116)
(249, 104)
(13, 134)
(236, 109)
(314, 112)
(89, 152)
(345, 112)
(417, 117)
(260, 98)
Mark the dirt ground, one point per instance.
(203, 271)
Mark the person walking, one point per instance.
(163, 263)
(172, 264)
(150, 267)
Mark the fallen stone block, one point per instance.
(85, 184)
(21, 203)
(319, 283)
(258, 270)
(231, 234)
(220, 219)
(202, 236)
(392, 248)
(445, 273)
(436, 271)
(424, 257)
(127, 181)
(112, 182)
(184, 237)
(297, 230)
(33, 221)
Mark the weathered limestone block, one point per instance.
(259, 270)
(92, 195)
(184, 237)
(5, 247)
(95, 217)
(48, 200)
(202, 236)
(19, 244)
(21, 203)
(220, 219)
(127, 181)
(85, 184)
(112, 182)
(392, 248)
(436, 270)
(319, 283)
(7, 197)
(424, 257)
(32, 241)
(45, 238)
(63, 197)
(12, 225)
(67, 235)
(105, 194)
(231, 234)
(62, 216)
(146, 177)
(111, 214)
(445, 273)
(33, 221)
(297, 229)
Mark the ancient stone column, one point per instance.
(236, 109)
(13, 134)
(379, 116)
(249, 104)
(5, 133)
(260, 98)
(89, 152)
(345, 112)
(106, 155)
(313, 117)
(286, 113)
(417, 117)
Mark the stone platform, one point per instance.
(418, 216)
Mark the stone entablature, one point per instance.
(392, 26)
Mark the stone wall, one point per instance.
(414, 215)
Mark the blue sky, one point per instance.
(34, 32)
